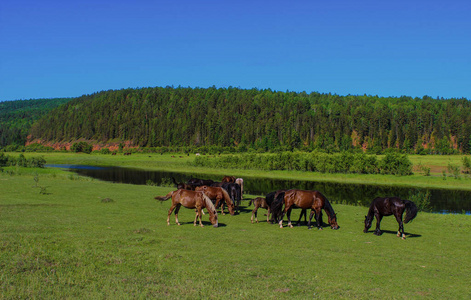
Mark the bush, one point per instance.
(82, 147)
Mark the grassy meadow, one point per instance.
(65, 236)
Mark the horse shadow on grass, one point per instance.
(408, 235)
(205, 223)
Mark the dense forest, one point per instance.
(17, 117)
(261, 119)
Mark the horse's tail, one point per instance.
(411, 211)
(276, 206)
(250, 202)
(163, 198)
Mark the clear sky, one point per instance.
(64, 48)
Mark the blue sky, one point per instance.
(387, 48)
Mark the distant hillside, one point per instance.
(16, 118)
(261, 119)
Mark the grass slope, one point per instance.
(70, 243)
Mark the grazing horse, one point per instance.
(305, 200)
(183, 185)
(199, 182)
(259, 202)
(233, 189)
(193, 200)
(240, 182)
(390, 206)
(218, 194)
(230, 179)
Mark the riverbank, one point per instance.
(84, 238)
(181, 163)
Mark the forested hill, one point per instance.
(262, 119)
(16, 118)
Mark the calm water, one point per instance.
(441, 200)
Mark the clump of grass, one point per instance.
(149, 182)
(167, 182)
(107, 200)
(454, 170)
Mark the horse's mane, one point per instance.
(209, 204)
(226, 196)
(328, 207)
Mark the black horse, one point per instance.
(199, 182)
(390, 206)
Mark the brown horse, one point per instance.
(259, 202)
(218, 194)
(305, 200)
(230, 179)
(193, 200)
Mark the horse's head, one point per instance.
(213, 218)
(231, 208)
(333, 222)
(367, 224)
(201, 188)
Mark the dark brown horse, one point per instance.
(305, 200)
(193, 200)
(183, 185)
(218, 194)
(230, 179)
(259, 202)
(390, 206)
(199, 182)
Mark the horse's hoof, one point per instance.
(291, 226)
(320, 228)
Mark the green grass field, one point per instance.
(82, 238)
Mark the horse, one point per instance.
(193, 200)
(259, 202)
(218, 194)
(308, 199)
(230, 179)
(233, 189)
(240, 182)
(183, 185)
(390, 206)
(199, 182)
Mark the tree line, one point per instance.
(17, 117)
(263, 120)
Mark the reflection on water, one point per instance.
(441, 200)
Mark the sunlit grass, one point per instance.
(69, 243)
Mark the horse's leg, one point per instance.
(282, 216)
(400, 231)
(254, 212)
(177, 209)
(268, 214)
(218, 202)
(289, 217)
(378, 221)
(169, 213)
(319, 218)
(310, 218)
(199, 209)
